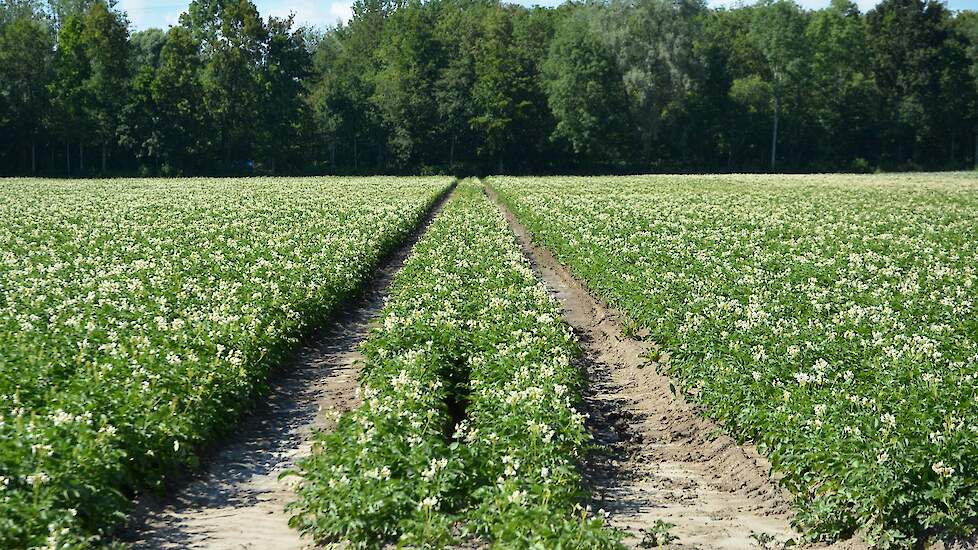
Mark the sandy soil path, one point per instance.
(661, 460)
(237, 501)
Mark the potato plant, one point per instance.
(469, 426)
(138, 318)
(831, 319)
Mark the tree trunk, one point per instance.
(81, 158)
(500, 166)
(774, 132)
(954, 146)
(451, 153)
(33, 156)
(68, 158)
(976, 149)
(356, 165)
(103, 159)
(684, 146)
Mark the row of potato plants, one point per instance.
(830, 319)
(138, 318)
(469, 427)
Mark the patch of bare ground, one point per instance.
(970, 543)
(237, 500)
(659, 460)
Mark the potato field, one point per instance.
(137, 318)
(830, 319)
(821, 333)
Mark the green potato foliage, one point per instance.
(830, 319)
(470, 424)
(138, 318)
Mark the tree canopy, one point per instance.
(477, 86)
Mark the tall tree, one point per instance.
(106, 43)
(842, 97)
(286, 63)
(457, 30)
(966, 25)
(176, 91)
(906, 42)
(958, 99)
(69, 93)
(232, 37)
(404, 92)
(146, 46)
(345, 64)
(62, 10)
(778, 33)
(653, 43)
(138, 127)
(506, 89)
(331, 110)
(26, 71)
(585, 92)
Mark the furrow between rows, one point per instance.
(239, 500)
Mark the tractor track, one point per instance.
(658, 458)
(238, 500)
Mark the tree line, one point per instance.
(479, 86)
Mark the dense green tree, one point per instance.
(653, 43)
(778, 34)
(286, 63)
(586, 92)
(69, 94)
(457, 30)
(533, 31)
(327, 100)
(232, 36)
(146, 46)
(176, 91)
(476, 86)
(61, 10)
(404, 85)
(140, 118)
(906, 40)
(106, 45)
(345, 64)
(507, 91)
(26, 65)
(138, 128)
(842, 96)
(958, 100)
(716, 143)
(966, 26)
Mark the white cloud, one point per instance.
(310, 12)
(864, 5)
(341, 10)
(144, 14)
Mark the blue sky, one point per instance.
(149, 13)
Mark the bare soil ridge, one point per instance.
(237, 500)
(660, 459)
